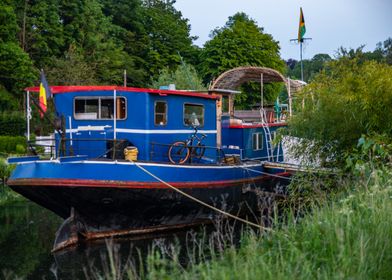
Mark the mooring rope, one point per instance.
(265, 173)
(199, 201)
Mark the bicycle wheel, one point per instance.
(178, 152)
(198, 151)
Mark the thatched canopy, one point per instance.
(234, 78)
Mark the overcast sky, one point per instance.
(331, 24)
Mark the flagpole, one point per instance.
(300, 40)
(302, 65)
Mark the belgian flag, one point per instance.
(302, 28)
(44, 94)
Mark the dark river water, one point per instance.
(27, 232)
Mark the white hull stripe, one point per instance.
(242, 166)
(147, 131)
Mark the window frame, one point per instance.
(260, 144)
(166, 112)
(99, 107)
(192, 104)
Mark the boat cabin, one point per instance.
(102, 121)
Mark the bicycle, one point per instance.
(192, 148)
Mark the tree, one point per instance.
(349, 99)
(72, 69)
(41, 30)
(311, 67)
(168, 37)
(16, 68)
(241, 43)
(128, 16)
(87, 28)
(184, 77)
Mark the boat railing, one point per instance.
(45, 150)
(92, 148)
(159, 152)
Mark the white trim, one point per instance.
(169, 165)
(163, 131)
(139, 131)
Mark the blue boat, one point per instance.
(124, 158)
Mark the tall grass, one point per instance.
(349, 238)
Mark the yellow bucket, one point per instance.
(130, 153)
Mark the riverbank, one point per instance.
(349, 237)
(8, 196)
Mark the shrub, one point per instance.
(348, 100)
(12, 144)
(12, 124)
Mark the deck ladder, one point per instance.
(267, 133)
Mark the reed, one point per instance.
(348, 237)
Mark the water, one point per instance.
(27, 233)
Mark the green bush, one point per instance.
(12, 144)
(12, 124)
(346, 101)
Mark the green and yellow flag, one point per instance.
(302, 28)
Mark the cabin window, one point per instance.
(225, 104)
(99, 108)
(193, 115)
(257, 141)
(160, 110)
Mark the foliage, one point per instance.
(370, 153)
(347, 100)
(12, 144)
(168, 36)
(184, 77)
(41, 31)
(7, 101)
(311, 67)
(16, 68)
(5, 171)
(250, 94)
(12, 124)
(240, 43)
(72, 69)
(349, 238)
(383, 53)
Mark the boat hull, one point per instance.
(110, 205)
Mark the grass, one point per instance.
(8, 196)
(349, 238)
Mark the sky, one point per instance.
(331, 24)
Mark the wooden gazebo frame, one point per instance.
(230, 81)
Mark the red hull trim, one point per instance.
(43, 182)
(256, 125)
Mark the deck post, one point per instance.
(115, 115)
(261, 91)
(289, 95)
(28, 115)
(219, 105)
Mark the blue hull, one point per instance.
(114, 197)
